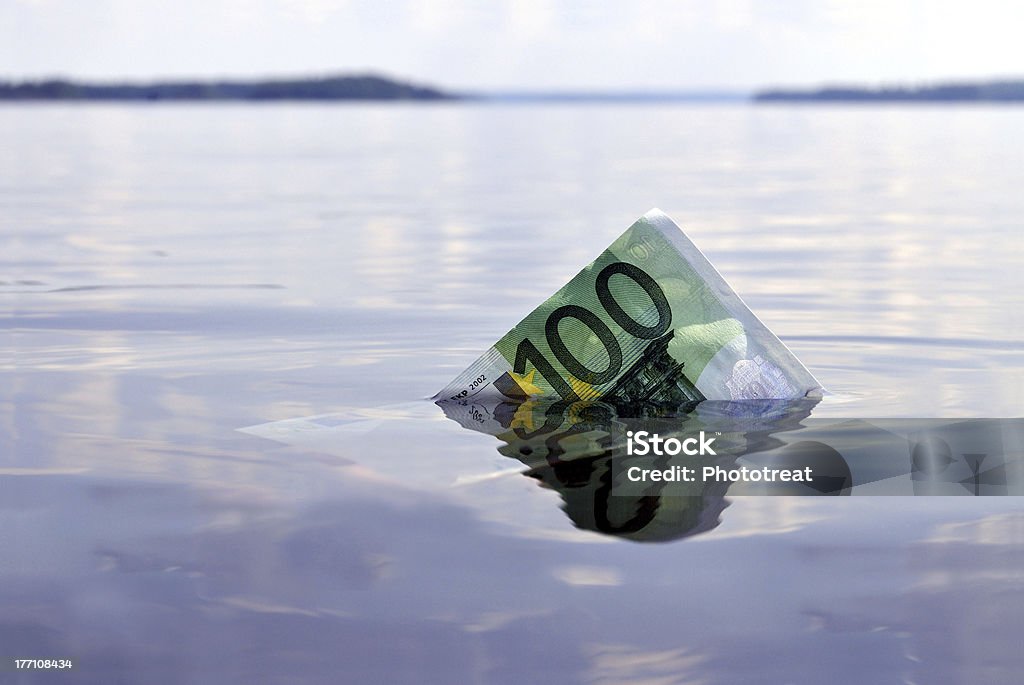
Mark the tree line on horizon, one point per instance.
(374, 87)
(366, 87)
(993, 91)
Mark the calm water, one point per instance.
(172, 274)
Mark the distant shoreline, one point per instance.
(354, 88)
(966, 92)
(375, 88)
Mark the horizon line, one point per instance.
(373, 85)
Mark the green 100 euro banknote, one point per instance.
(649, 320)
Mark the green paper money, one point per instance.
(649, 320)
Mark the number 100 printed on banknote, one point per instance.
(649, 320)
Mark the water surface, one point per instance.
(173, 273)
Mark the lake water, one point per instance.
(170, 274)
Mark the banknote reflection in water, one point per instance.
(573, 449)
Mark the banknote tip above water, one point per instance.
(649, 320)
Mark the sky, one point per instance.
(529, 44)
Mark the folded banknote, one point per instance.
(649, 320)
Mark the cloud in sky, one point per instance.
(601, 44)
